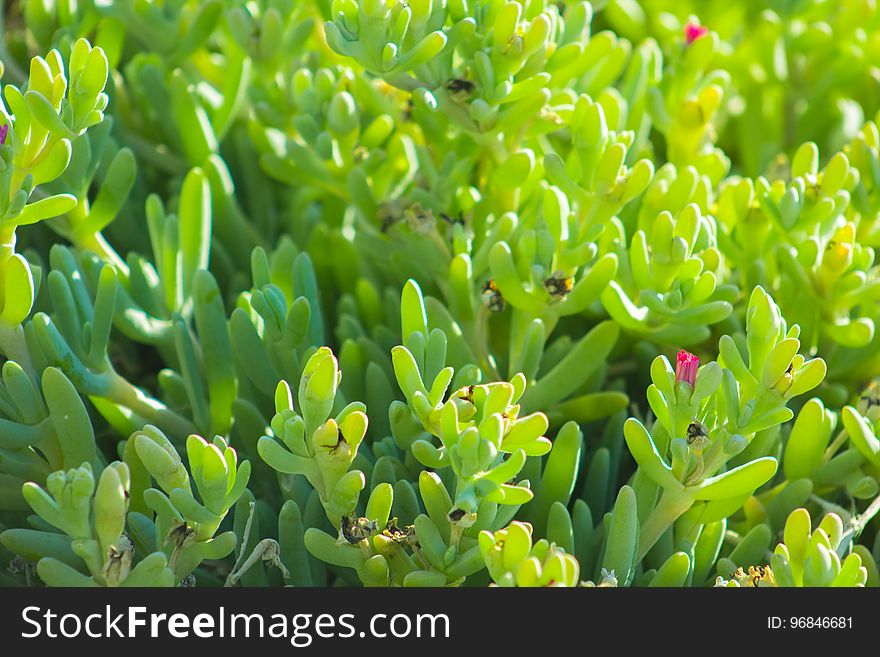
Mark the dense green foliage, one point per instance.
(439, 292)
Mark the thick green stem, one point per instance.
(671, 506)
(124, 393)
(97, 244)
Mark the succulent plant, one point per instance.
(439, 293)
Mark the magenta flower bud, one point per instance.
(686, 367)
(4, 130)
(694, 31)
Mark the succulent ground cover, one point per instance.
(439, 293)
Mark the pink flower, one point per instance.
(4, 130)
(686, 367)
(694, 31)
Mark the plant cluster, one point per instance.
(439, 293)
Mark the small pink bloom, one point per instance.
(686, 367)
(694, 31)
(4, 130)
